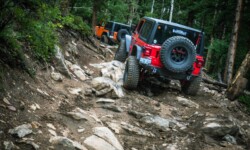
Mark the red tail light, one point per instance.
(199, 64)
(147, 51)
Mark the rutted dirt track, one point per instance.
(91, 111)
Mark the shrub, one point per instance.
(245, 99)
(76, 23)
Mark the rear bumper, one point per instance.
(167, 74)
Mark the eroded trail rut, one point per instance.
(92, 111)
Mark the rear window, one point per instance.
(164, 32)
(118, 27)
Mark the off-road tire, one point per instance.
(191, 87)
(121, 53)
(131, 73)
(104, 39)
(121, 34)
(178, 54)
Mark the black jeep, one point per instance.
(112, 32)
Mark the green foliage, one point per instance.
(76, 23)
(33, 25)
(245, 99)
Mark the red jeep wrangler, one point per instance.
(163, 49)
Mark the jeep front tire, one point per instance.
(131, 73)
(121, 53)
(104, 39)
(178, 54)
(191, 87)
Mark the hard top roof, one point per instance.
(119, 23)
(171, 23)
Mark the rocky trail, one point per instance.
(78, 102)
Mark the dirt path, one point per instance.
(152, 117)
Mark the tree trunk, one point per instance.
(209, 57)
(233, 44)
(152, 7)
(171, 11)
(239, 82)
(131, 12)
(95, 9)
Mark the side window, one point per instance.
(138, 28)
(117, 26)
(146, 30)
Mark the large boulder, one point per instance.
(113, 70)
(59, 62)
(104, 86)
(103, 138)
(220, 126)
(158, 122)
(22, 130)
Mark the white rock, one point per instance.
(8, 145)
(77, 70)
(75, 91)
(56, 76)
(96, 143)
(103, 86)
(60, 62)
(42, 92)
(6, 101)
(114, 126)
(188, 103)
(105, 100)
(106, 134)
(172, 147)
(80, 130)
(51, 126)
(12, 108)
(79, 114)
(21, 130)
(158, 122)
(113, 70)
(65, 143)
(52, 132)
(212, 125)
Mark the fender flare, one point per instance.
(136, 51)
(128, 40)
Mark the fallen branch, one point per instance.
(207, 79)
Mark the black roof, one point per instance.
(171, 23)
(119, 23)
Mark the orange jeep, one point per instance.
(112, 32)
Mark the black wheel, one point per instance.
(121, 34)
(131, 73)
(121, 53)
(104, 39)
(178, 54)
(191, 87)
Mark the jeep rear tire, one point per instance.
(131, 73)
(191, 87)
(121, 34)
(104, 39)
(121, 53)
(178, 54)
